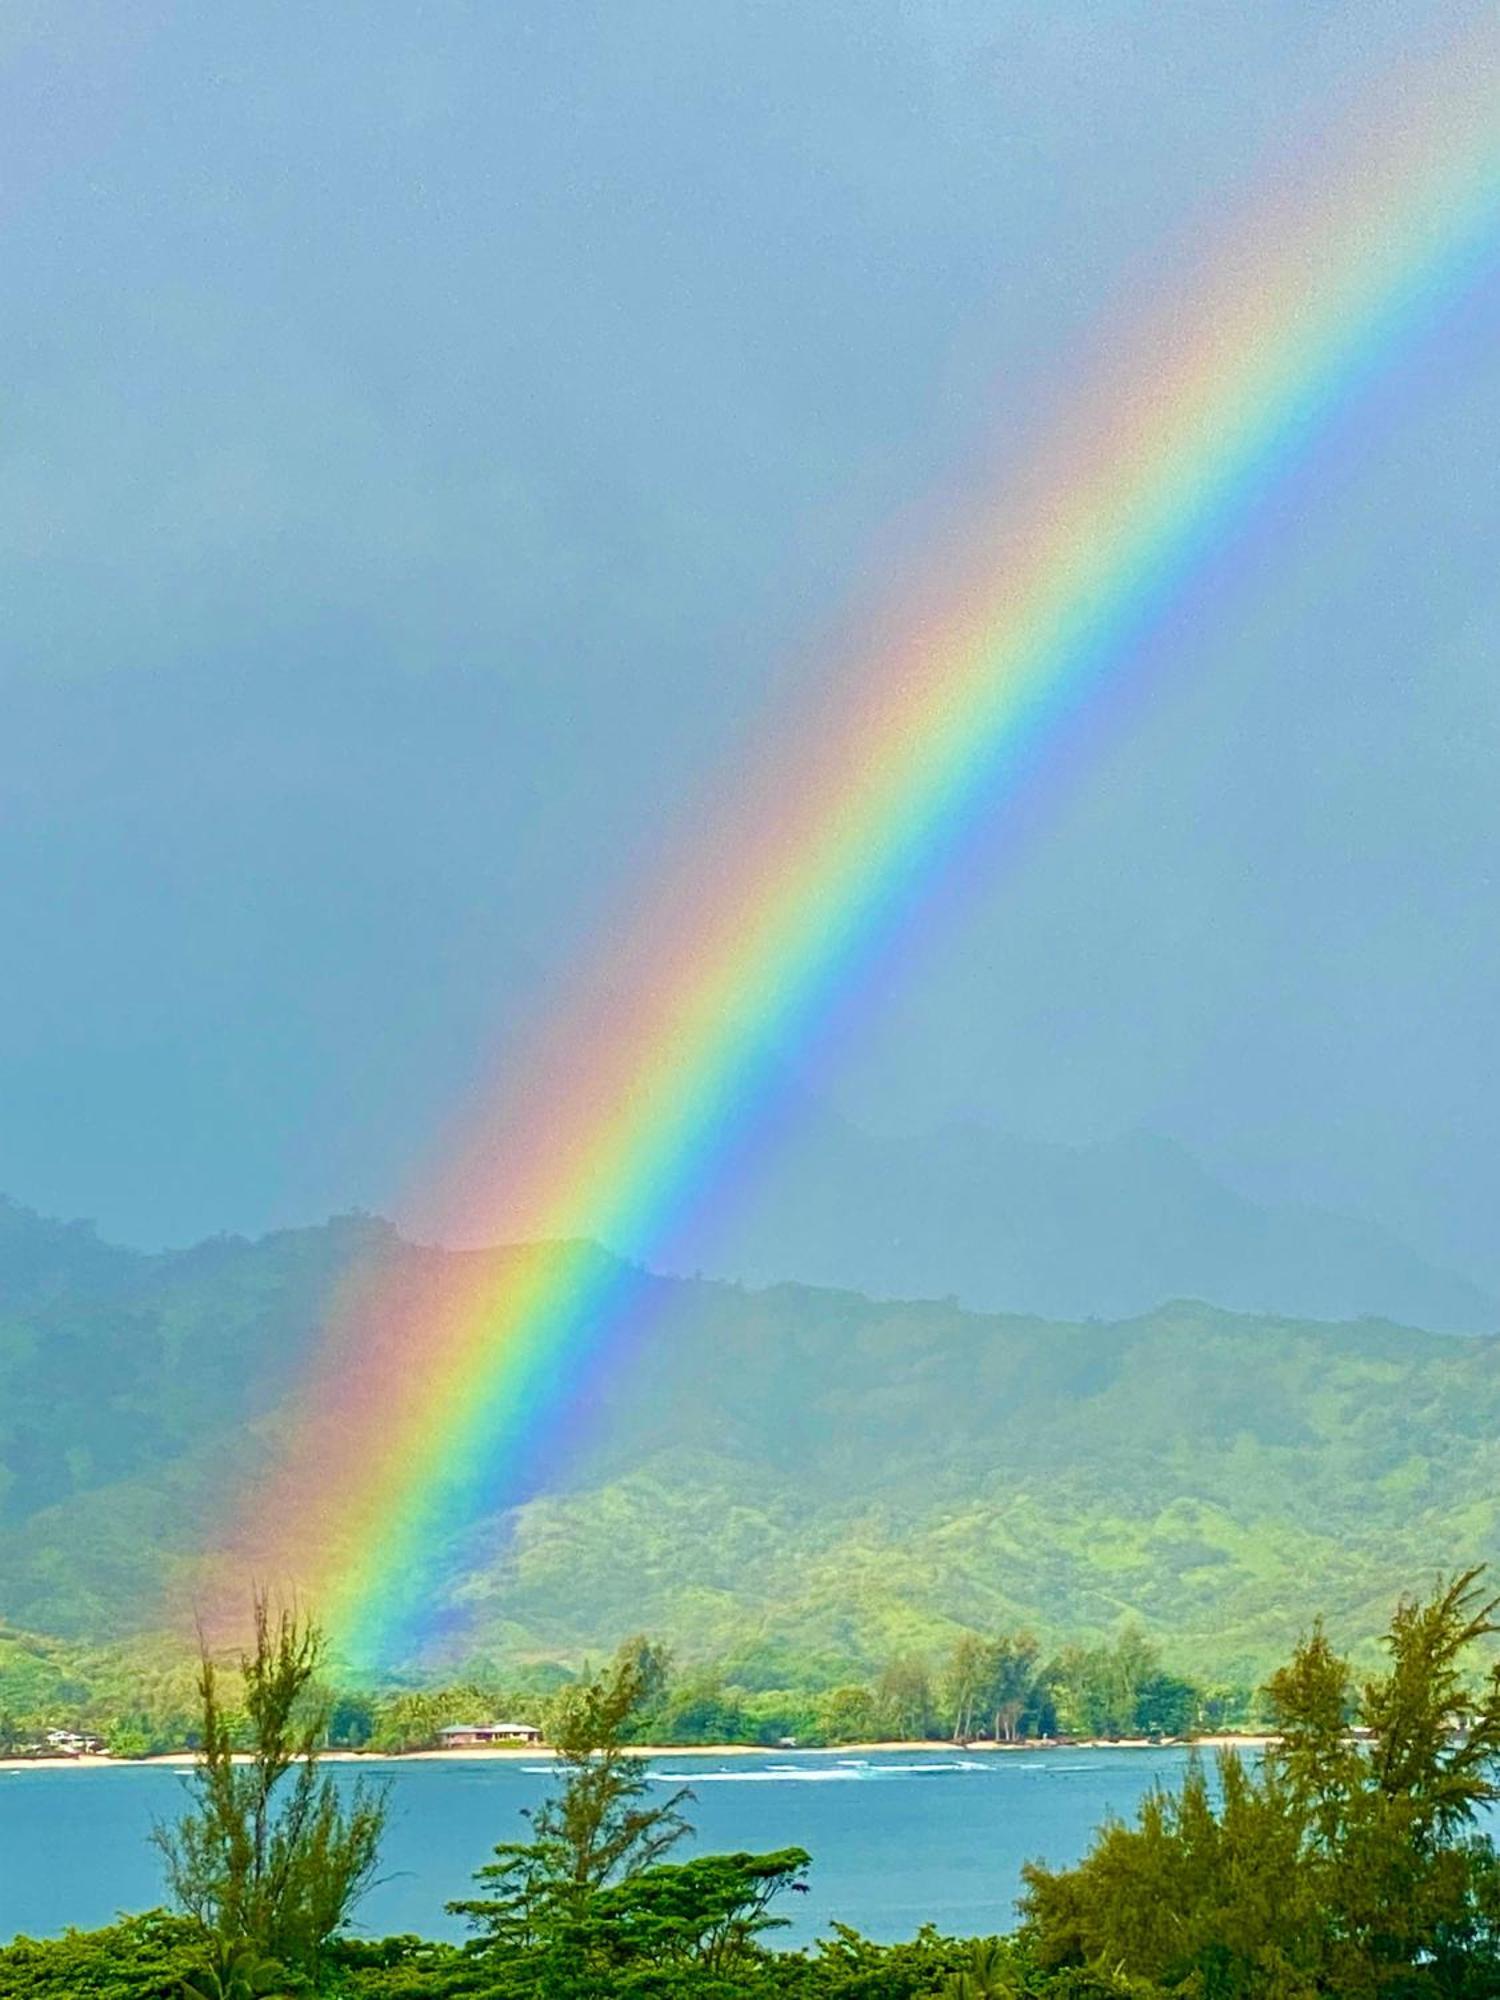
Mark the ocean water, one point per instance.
(896, 1840)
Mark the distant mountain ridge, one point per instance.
(1104, 1231)
(41, 1258)
(796, 1480)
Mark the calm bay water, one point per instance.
(896, 1841)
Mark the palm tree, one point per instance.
(235, 1971)
(988, 1975)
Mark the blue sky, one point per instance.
(435, 435)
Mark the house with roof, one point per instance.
(487, 1735)
(73, 1743)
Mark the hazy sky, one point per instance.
(435, 433)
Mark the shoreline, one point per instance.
(182, 1760)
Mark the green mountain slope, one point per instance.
(805, 1469)
(788, 1475)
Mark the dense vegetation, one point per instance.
(1348, 1865)
(801, 1486)
(1002, 1687)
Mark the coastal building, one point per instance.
(476, 1735)
(73, 1743)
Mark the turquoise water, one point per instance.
(896, 1841)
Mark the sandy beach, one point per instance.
(535, 1752)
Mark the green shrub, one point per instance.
(139, 1958)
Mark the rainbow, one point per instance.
(425, 1409)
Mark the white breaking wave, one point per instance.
(845, 1772)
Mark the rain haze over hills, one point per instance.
(437, 438)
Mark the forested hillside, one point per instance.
(789, 1481)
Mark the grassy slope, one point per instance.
(792, 1476)
(806, 1468)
